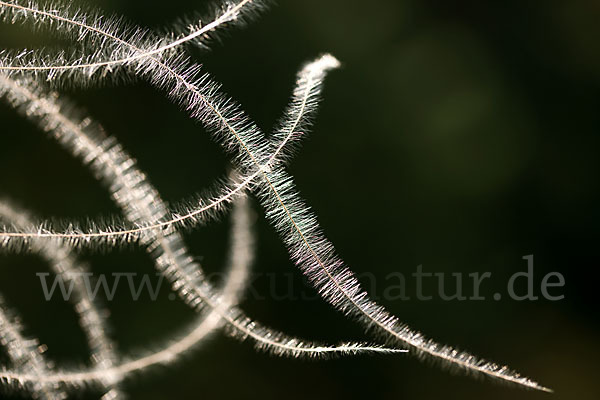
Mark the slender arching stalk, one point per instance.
(115, 50)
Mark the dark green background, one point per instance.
(458, 135)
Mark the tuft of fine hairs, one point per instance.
(110, 49)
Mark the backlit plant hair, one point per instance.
(111, 49)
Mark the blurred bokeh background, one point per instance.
(460, 136)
